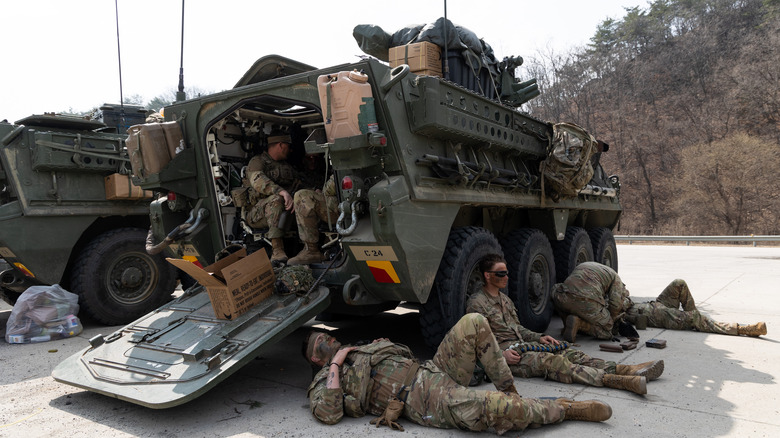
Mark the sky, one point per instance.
(61, 55)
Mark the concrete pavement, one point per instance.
(712, 385)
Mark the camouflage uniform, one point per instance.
(665, 312)
(311, 207)
(566, 366)
(438, 396)
(266, 178)
(595, 293)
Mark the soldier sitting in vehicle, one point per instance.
(271, 180)
(383, 378)
(596, 302)
(531, 354)
(314, 203)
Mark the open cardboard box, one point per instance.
(235, 284)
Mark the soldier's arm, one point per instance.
(327, 404)
(528, 335)
(614, 301)
(259, 181)
(262, 184)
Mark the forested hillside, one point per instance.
(687, 94)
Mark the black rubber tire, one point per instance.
(117, 281)
(458, 276)
(529, 258)
(574, 249)
(604, 247)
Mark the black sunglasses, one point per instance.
(500, 274)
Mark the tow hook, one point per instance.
(344, 208)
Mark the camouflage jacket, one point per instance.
(370, 376)
(594, 284)
(269, 177)
(502, 316)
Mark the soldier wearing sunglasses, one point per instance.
(566, 365)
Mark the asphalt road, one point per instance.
(713, 385)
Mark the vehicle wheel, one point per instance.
(574, 249)
(604, 247)
(117, 281)
(529, 258)
(457, 278)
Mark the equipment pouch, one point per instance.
(240, 196)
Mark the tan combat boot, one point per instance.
(651, 370)
(278, 250)
(635, 384)
(754, 330)
(572, 325)
(308, 255)
(588, 410)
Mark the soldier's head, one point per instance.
(279, 146)
(494, 270)
(319, 347)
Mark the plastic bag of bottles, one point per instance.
(43, 313)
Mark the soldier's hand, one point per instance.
(288, 200)
(547, 339)
(512, 357)
(341, 355)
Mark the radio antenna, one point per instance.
(122, 122)
(181, 95)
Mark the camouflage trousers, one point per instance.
(440, 397)
(265, 213)
(665, 312)
(310, 208)
(565, 366)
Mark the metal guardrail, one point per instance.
(689, 239)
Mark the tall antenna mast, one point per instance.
(181, 95)
(122, 122)
(446, 58)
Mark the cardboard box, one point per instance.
(118, 186)
(236, 283)
(420, 57)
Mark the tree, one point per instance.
(660, 80)
(169, 97)
(730, 186)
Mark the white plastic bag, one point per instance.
(43, 313)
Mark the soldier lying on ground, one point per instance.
(383, 378)
(566, 365)
(596, 301)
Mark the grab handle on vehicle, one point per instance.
(193, 224)
(396, 75)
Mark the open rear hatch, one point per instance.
(180, 351)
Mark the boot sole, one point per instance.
(653, 371)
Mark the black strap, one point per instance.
(410, 375)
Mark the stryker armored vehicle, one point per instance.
(431, 177)
(69, 214)
(448, 177)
